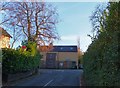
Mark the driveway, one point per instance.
(52, 77)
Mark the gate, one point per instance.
(51, 60)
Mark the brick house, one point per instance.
(4, 38)
(59, 57)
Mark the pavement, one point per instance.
(0, 75)
(52, 77)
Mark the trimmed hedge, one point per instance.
(101, 60)
(14, 61)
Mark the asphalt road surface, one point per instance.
(52, 77)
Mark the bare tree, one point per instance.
(9, 24)
(35, 20)
(98, 20)
(16, 36)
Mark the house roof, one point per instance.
(64, 49)
(4, 32)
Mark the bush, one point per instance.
(101, 60)
(14, 61)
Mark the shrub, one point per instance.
(14, 61)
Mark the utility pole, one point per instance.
(78, 48)
(78, 41)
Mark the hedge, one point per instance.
(101, 60)
(14, 61)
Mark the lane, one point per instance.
(53, 77)
(48, 83)
(67, 78)
(39, 80)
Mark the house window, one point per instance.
(73, 63)
(61, 48)
(71, 48)
(61, 64)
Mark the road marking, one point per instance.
(60, 70)
(48, 83)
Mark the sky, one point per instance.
(75, 23)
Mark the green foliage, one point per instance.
(80, 59)
(15, 61)
(0, 56)
(101, 60)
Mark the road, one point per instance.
(52, 77)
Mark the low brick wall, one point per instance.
(13, 77)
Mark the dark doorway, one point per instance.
(51, 60)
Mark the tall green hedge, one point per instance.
(14, 61)
(101, 60)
